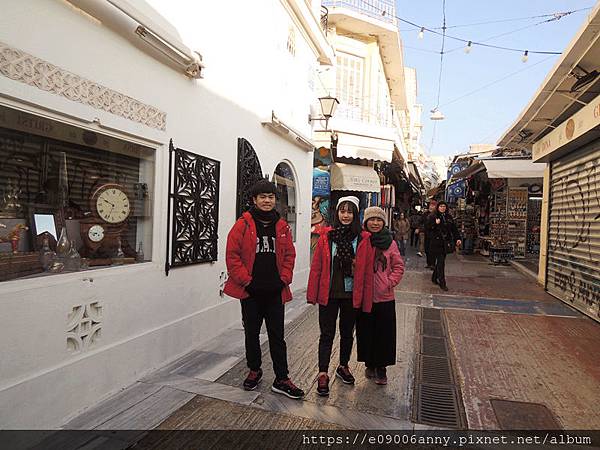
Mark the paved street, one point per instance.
(508, 341)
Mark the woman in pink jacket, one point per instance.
(376, 323)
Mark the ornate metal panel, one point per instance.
(249, 172)
(193, 208)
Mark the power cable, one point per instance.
(445, 35)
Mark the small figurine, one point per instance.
(14, 236)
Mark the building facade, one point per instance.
(123, 129)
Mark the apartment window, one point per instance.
(70, 199)
(349, 83)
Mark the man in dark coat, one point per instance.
(443, 238)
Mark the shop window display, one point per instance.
(286, 195)
(70, 199)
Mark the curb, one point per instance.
(524, 270)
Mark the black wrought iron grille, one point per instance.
(249, 172)
(193, 208)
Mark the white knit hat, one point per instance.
(351, 199)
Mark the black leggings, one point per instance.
(327, 319)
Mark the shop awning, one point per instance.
(364, 147)
(473, 169)
(348, 177)
(513, 168)
(413, 175)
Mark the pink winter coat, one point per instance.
(383, 282)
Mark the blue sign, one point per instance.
(321, 183)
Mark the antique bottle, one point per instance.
(73, 259)
(139, 257)
(47, 256)
(63, 245)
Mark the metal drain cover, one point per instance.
(434, 370)
(432, 314)
(512, 415)
(432, 328)
(433, 346)
(437, 406)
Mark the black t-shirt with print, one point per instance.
(265, 275)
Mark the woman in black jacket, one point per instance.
(443, 237)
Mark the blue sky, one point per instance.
(484, 116)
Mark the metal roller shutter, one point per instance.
(573, 271)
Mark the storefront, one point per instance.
(563, 131)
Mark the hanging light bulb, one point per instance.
(436, 114)
(525, 56)
(421, 33)
(469, 47)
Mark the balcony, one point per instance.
(384, 10)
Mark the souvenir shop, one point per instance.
(498, 213)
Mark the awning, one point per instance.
(364, 147)
(413, 175)
(348, 177)
(513, 168)
(473, 169)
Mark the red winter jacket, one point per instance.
(241, 252)
(381, 284)
(319, 279)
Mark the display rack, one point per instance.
(517, 220)
(534, 219)
(498, 218)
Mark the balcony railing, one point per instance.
(384, 10)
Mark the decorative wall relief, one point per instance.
(20, 66)
(84, 326)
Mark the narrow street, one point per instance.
(521, 358)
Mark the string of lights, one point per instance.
(469, 42)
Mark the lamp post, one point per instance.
(328, 106)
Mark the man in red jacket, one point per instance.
(260, 259)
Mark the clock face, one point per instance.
(96, 233)
(113, 205)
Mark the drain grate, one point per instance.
(434, 370)
(433, 346)
(432, 328)
(438, 406)
(432, 314)
(436, 395)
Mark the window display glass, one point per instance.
(70, 199)
(286, 195)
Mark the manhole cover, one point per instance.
(512, 415)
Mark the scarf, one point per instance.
(264, 216)
(381, 241)
(343, 237)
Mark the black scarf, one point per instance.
(264, 216)
(381, 241)
(343, 237)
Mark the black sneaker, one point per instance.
(343, 372)
(380, 376)
(369, 372)
(443, 287)
(286, 387)
(434, 280)
(252, 380)
(323, 385)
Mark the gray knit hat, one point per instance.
(374, 211)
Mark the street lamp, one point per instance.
(328, 106)
(436, 114)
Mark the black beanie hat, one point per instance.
(263, 186)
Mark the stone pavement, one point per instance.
(509, 340)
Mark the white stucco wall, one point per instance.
(148, 319)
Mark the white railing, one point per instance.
(379, 9)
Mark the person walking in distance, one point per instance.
(414, 224)
(331, 286)
(260, 259)
(376, 322)
(426, 237)
(443, 238)
(402, 229)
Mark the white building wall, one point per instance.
(148, 319)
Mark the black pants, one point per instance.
(428, 252)
(414, 238)
(270, 309)
(327, 320)
(439, 263)
(376, 335)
